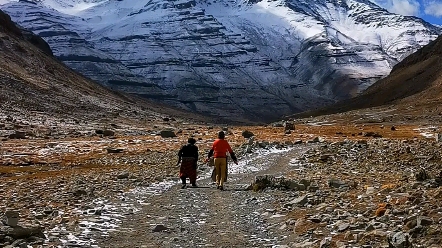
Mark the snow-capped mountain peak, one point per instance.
(248, 59)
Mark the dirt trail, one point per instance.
(207, 217)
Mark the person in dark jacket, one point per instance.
(188, 156)
(219, 151)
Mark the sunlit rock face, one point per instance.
(240, 60)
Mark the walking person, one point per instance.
(188, 156)
(219, 151)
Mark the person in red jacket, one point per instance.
(219, 151)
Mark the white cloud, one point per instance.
(402, 7)
(433, 8)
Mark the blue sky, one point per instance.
(429, 10)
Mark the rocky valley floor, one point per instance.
(323, 184)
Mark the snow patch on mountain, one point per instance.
(242, 59)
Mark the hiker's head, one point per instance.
(191, 141)
(221, 135)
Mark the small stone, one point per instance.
(247, 134)
(370, 190)
(325, 243)
(334, 183)
(399, 240)
(114, 150)
(11, 218)
(370, 228)
(123, 175)
(342, 227)
(424, 221)
(313, 188)
(108, 133)
(18, 135)
(411, 224)
(79, 192)
(160, 228)
(300, 200)
(167, 134)
(305, 182)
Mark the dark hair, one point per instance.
(221, 135)
(191, 141)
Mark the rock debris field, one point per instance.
(310, 185)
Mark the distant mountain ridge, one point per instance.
(255, 60)
(412, 91)
(35, 87)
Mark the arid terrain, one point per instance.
(83, 166)
(81, 194)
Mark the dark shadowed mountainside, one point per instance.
(33, 82)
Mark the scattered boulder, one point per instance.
(18, 135)
(269, 181)
(317, 140)
(422, 175)
(335, 183)
(19, 232)
(300, 200)
(289, 125)
(372, 134)
(399, 240)
(247, 134)
(108, 133)
(123, 175)
(277, 124)
(424, 221)
(114, 150)
(99, 131)
(11, 218)
(167, 134)
(79, 192)
(160, 228)
(326, 243)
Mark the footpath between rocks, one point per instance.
(362, 193)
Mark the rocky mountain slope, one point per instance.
(255, 60)
(36, 88)
(413, 88)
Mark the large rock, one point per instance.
(399, 240)
(167, 134)
(108, 133)
(11, 218)
(288, 125)
(18, 135)
(335, 183)
(269, 181)
(247, 134)
(299, 201)
(19, 232)
(160, 228)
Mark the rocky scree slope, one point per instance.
(255, 60)
(413, 87)
(35, 86)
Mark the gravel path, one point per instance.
(207, 217)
